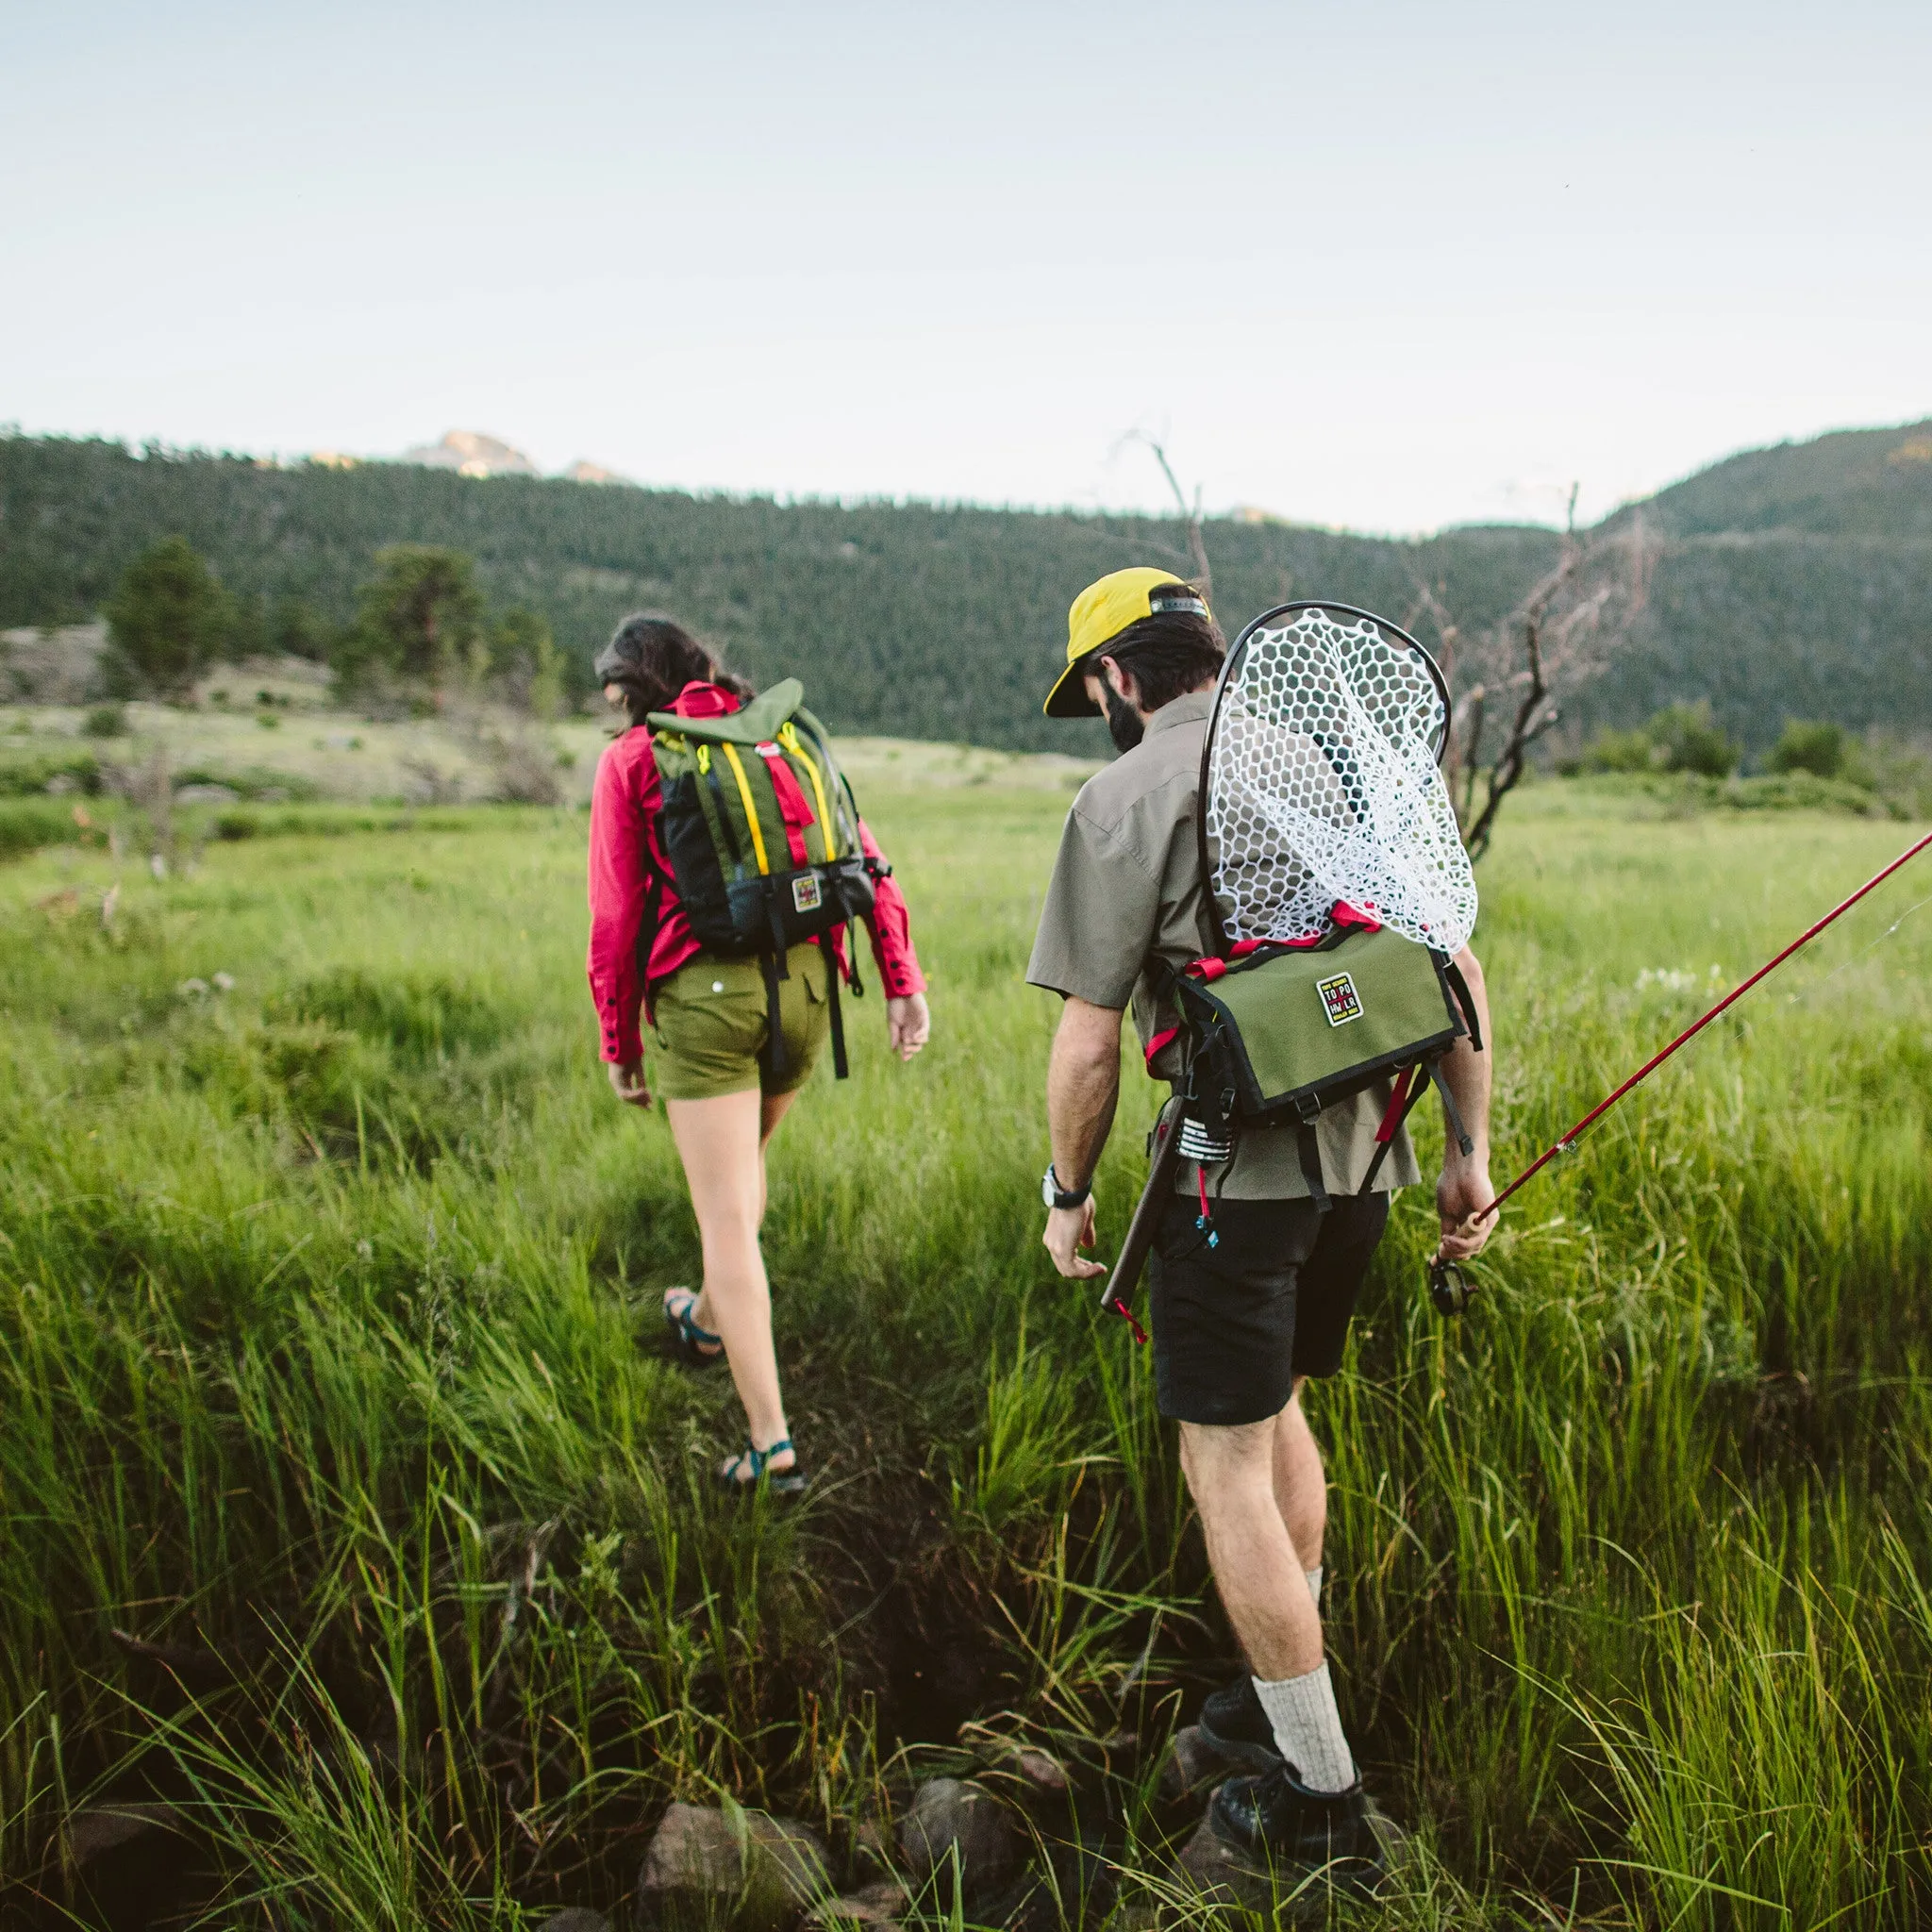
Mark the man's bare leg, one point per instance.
(1256, 1565)
(1301, 1488)
(1257, 1569)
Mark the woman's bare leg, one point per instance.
(776, 1106)
(720, 1142)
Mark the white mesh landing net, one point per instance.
(1323, 784)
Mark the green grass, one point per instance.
(327, 1350)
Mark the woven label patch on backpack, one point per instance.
(1338, 999)
(806, 893)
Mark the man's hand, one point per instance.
(909, 1023)
(1069, 1229)
(1461, 1195)
(627, 1082)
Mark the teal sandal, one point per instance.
(697, 1347)
(780, 1482)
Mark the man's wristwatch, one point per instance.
(1056, 1196)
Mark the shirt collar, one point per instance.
(1191, 710)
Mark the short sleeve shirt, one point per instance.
(1127, 902)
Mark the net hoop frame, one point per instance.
(1230, 665)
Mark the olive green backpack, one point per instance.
(762, 831)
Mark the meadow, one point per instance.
(349, 1506)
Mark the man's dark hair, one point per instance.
(651, 659)
(1167, 655)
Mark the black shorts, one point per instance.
(1236, 1323)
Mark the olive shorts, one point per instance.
(711, 1019)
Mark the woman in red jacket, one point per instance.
(710, 1020)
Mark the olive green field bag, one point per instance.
(1277, 1033)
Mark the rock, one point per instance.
(108, 1826)
(1222, 1876)
(872, 1841)
(206, 794)
(575, 1919)
(949, 1816)
(1216, 1871)
(771, 1868)
(1041, 1769)
(871, 1905)
(1190, 1762)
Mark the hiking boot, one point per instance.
(1235, 1727)
(1276, 1823)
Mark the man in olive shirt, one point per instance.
(1252, 1298)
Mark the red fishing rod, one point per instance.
(1448, 1289)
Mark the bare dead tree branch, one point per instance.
(1191, 513)
(1560, 636)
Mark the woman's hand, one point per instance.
(908, 1024)
(627, 1082)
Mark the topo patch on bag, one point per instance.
(807, 894)
(1340, 1000)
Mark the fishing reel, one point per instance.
(1450, 1289)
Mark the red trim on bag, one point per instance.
(1159, 1040)
(1350, 918)
(1391, 1120)
(792, 806)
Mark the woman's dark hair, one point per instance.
(651, 659)
(1169, 653)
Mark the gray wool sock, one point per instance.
(1314, 1578)
(1307, 1729)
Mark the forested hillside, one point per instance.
(926, 621)
(1868, 483)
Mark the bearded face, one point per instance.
(1123, 723)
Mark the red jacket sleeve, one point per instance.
(892, 931)
(617, 905)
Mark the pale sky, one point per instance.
(1385, 266)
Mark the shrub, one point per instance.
(416, 620)
(104, 721)
(168, 620)
(1824, 749)
(1621, 751)
(76, 771)
(1680, 738)
(420, 1015)
(1687, 739)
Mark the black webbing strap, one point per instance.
(840, 1068)
(1309, 1149)
(1408, 1106)
(776, 918)
(1449, 1110)
(1459, 986)
(774, 1056)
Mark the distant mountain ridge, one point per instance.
(1793, 581)
(1871, 483)
(469, 453)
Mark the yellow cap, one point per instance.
(1099, 615)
